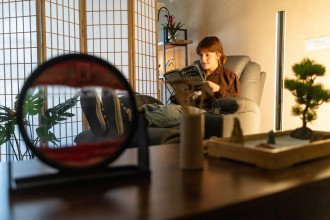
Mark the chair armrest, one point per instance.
(248, 114)
(246, 105)
(221, 125)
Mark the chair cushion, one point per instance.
(237, 64)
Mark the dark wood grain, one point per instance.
(223, 188)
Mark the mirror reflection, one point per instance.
(77, 124)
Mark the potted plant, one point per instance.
(309, 95)
(32, 106)
(171, 26)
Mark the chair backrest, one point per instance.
(251, 78)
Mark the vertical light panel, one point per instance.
(107, 31)
(279, 68)
(18, 58)
(146, 75)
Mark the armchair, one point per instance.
(252, 84)
(252, 81)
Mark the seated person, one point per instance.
(221, 81)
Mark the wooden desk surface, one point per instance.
(224, 188)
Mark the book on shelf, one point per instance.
(191, 72)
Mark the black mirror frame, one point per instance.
(34, 76)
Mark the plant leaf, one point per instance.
(33, 103)
(46, 136)
(59, 112)
(4, 135)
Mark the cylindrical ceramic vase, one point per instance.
(191, 140)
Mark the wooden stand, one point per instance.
(50, 177)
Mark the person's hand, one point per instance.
(213, 86)
(188, 94)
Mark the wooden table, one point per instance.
(224, 188)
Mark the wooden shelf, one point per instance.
(174, 43)
(182, 42)
(179, 42)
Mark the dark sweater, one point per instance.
(228, 82)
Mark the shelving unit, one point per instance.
(172, 43)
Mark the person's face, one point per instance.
(209, 60)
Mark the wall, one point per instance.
(249, 27)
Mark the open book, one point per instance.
(194, 72)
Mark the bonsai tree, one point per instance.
(309, 95)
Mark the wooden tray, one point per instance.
(269, 158)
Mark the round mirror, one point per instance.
(77, 112)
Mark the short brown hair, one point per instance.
(212, 44)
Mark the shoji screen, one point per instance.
(123, 32)
(33, 31)
(145, 47)
(18, 57)
(62, 34)
(107, 31)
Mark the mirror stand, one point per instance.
(42, 176)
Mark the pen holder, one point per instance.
(191, 141)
